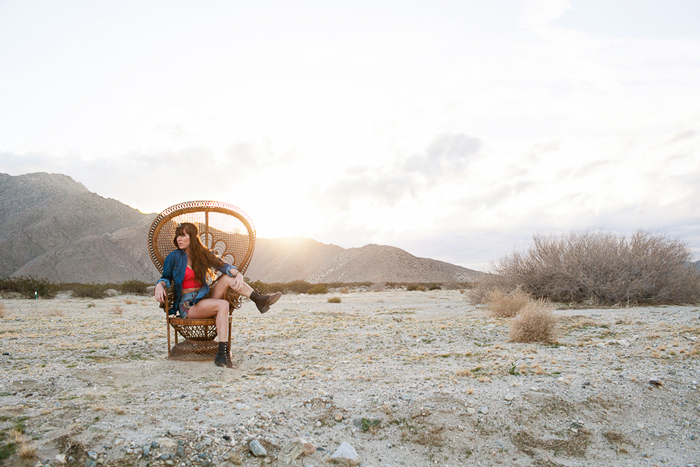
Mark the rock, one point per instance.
(346, 455)
(60, 459)
(338, 417)
(92, 455)
(257, 449)
(146, 448)
(180, 450)
(111, 293)
(166, 443)
(291, 451)
(483, 410)
(90, 463)
(656, 382)
(308, 449)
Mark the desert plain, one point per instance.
(405, 378)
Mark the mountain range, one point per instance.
(52, 227)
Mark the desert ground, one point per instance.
(404, 378)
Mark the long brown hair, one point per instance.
(203, 259)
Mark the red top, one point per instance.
(190, 282)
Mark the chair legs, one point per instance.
(198, 340)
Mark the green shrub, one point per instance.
(29, 286)
(134, 287)
(601, 268)
(298, 287)
(317, 289)
(90, 290)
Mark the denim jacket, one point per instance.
(174, 271)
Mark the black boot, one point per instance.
(223, 357)
(264, 302)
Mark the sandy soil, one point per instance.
(406, 378)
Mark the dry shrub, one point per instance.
(55, 312)
(534, 323)
(117, 310)
(334, 300)
(486, 284)
(601, 268)
(3, 311)
(506, 305)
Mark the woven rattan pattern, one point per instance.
(195, 329)
(194, 350)
(223, 227)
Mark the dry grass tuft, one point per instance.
(534, 323)
(334, 300)
(117, 310)
(27, 451)
(506, 305)
(3, 311)
(584, 323)
(572, 446)
(54, 312)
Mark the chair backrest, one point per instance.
(223, 228)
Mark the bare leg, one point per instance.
(225, 282)
(263, 302)
(209, 308)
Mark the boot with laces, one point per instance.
(264, 302)
(223, 356)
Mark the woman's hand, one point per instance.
(237, 282)
(160, 292)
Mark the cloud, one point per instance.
(444, 159)
(537, 14)
(150, 179)
(447, 154)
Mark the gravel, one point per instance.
(398, 378)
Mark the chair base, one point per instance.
(194, 351)
(199, 344)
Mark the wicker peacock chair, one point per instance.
(226, 230)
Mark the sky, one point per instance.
(455, 130)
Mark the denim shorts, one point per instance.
(186, 303)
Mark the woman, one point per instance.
(188, 267)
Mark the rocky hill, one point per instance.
(53, 227)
